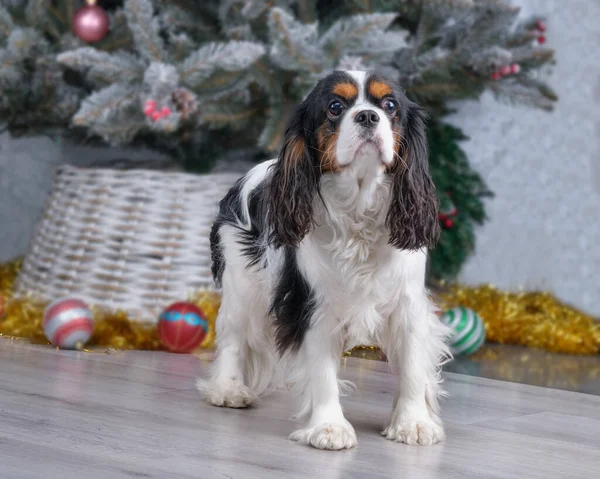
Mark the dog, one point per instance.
(325, 248)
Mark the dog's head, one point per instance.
(358, 124)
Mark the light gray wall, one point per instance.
(545, 220)
(544, 230)
(26, 168)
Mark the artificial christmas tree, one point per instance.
(203, 79)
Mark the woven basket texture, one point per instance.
(132, 240)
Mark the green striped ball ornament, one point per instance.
(468, 330)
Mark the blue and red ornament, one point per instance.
(68, 323)
(182, 327)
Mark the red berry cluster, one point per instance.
(506, 70)
(540, 28)
(445, 218)
(151, 112)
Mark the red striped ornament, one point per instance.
(68, 323)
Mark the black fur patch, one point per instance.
(252, 240)
(293, 304)
(229, 210)
(230, 213)
(216, 254)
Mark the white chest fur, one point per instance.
(357, 275)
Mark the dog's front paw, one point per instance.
(414, 430)
(330, 436)
(232, 394)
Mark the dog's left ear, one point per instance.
(413, 214)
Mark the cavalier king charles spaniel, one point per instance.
(324, 249)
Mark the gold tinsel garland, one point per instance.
(22, 318)
(532, 319)
(529, 319)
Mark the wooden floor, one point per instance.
(137, 415)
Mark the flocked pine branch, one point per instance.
(439, 50)
(145, 28)
(230, 57)
(206, 79)
(294, 45)
(158, 76)
(33, 92)
(103, 68)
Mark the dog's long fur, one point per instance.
(325, 248)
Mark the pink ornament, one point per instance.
(90, 23)
(541, 39)
(156, 116)
(514, 68)
(505, 70)
(166, 111)
(68, 323)
(495, 76)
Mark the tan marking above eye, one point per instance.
(379, 89)
(347, 91)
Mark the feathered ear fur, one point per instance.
(294, 185)
(413, 214)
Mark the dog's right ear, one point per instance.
(294, 185)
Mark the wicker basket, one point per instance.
(128, 240)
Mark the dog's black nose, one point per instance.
(367, 118)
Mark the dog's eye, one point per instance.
(389, 106)
(336, 108)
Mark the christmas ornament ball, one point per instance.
(182, 327)
(68, 323)
(468, 330)
(90, 23)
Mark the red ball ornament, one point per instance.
(165, 111)
(541, 39)
(182, 327)
(495, 76)
(448, 223)
(90, 23)
(515, 68)
(505, 70)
